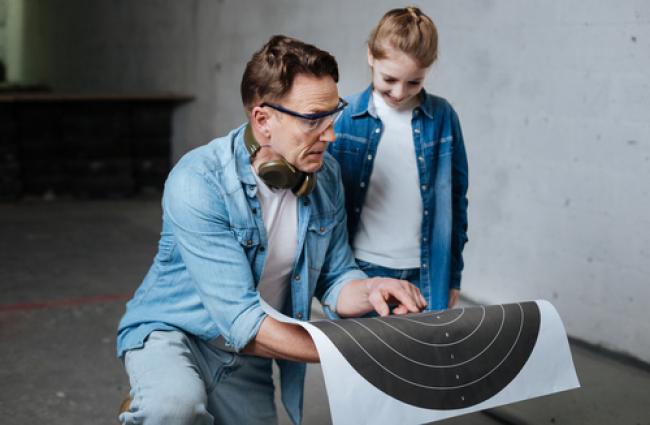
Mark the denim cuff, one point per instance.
(245, 327)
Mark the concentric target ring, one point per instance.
(440, 360)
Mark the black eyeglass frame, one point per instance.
(341, 106)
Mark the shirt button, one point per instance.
(424, 266)
(369, 157)
(377, 130)
(299, 315)
(322, 229)
(424, 239)
(421, 158)
(362, 184)
(356, 210)
(297, 277)
(424, 187)
(417, 131)
(426, 212)
(249, 242)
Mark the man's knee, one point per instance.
(172, 406)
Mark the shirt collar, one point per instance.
(426, 104)
(362, 105)
(243, 158)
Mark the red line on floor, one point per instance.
(66, 302)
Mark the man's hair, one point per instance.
(409, 30)
(271, 71)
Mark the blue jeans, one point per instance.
(179, 379)
(374, 270)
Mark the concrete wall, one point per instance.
(554, 98)
(3, 31)
(555, 101)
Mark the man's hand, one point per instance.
(362, 296)
(453, 297)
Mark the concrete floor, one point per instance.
(66, 269)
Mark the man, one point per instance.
(258, 210)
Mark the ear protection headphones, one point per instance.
(279, 173)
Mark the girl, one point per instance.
(404, 165)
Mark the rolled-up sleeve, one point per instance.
(215, 259)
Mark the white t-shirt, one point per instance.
(389, 227)
(280, 216)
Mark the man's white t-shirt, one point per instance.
(280, 216)
(389, 227)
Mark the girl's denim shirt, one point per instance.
(443, 174)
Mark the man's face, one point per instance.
(292, 137)
(397, 78)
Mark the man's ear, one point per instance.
(259, 120)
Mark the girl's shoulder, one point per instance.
(436, 102)
(358, 102)
(437, 106)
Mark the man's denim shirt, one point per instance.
(442, 169)
(212, 251)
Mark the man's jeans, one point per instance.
(179, 379)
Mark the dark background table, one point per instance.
(88, 146)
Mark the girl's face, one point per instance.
(397, 77)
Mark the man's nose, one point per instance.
(328, 135)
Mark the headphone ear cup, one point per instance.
(306, 186)
(278, 174)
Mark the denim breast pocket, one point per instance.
(445, 146)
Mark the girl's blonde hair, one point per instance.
(409, 30)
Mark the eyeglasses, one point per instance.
(313, 123)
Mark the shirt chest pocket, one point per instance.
(249, 239)
(319, 236)
(445, 146)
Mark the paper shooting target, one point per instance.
(440, 360)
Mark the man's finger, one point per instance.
(400, 309)
(424, 302)
(414, 293)
(379, 303)
(419, 299)
(404, 298)
(417, 296)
